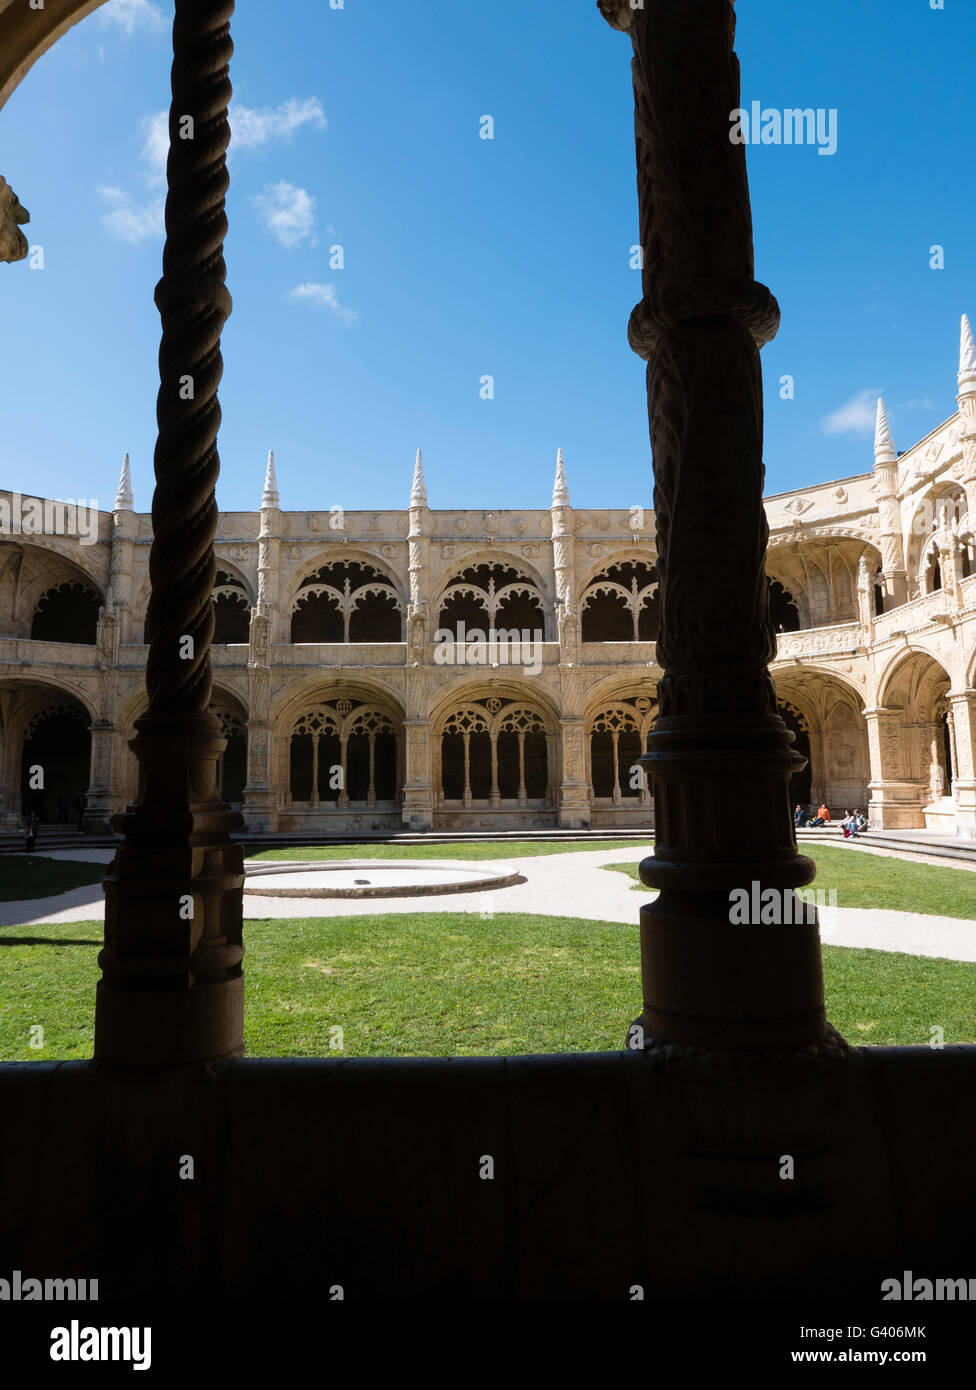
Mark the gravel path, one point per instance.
(559, 885)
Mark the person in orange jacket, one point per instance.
(822, 817)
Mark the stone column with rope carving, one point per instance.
(720, 757)
(171, 989)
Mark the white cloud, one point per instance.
(323, 297)
(155, 151)
(856, 416)
(129, 221)
(131, 15)
(252, 128)
(288, 212)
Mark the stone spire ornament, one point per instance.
(418, 491)
(967, 357)
(269, 497)
(123, 497)
(560, 491)
(884, 444)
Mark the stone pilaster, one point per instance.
(574, 790)
(865, 600)
(892, 542)
(259, 795)
(966, 400)
(720, 757)
(564, 566)
(123, 541)
(962, 710)
(897, 797)
(418, 551)
(418, 793)
(11, 748)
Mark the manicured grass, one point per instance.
(874, 880)
(482, 849)
(445, 985)
(24, 876)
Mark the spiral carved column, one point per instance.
(172, 984)
(720, 757)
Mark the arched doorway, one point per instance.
(55, 763)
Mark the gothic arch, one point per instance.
(620, 603)
(825, 713)
(67, 612)
(29, 33)
(49, 737)
(492, 594)
(616, 733)
(494, 750)
(346, 600)
(28, 572)
(344, 751)
(232, 602)
(468, 556)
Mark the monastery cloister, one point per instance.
(495, 670)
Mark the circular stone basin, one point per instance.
(376, 878)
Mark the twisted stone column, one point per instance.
(720, 758)
(172, 985)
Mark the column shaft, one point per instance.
(172, 985)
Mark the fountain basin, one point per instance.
(376, 878)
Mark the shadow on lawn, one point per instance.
(44, 941)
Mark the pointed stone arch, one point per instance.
(495, 759)
(347, 599)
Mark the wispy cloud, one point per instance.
(856, 416)
(128, 220)
(155, 151)
(288, 212)
(255, 127)
(131, 15)
(323, 297)
(134, 219)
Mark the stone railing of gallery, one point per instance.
(837, 640)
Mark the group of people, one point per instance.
(852, 824)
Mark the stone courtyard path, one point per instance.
(557, 885)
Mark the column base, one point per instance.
(170, 1027)
(763, 987)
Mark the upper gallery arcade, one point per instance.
(346, 707)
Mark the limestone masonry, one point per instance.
(484, 670)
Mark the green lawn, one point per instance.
(874, 880)
(444, 985)
(484, 849)
(25, 876)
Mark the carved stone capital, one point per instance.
(13, 216)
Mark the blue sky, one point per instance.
(467, 257)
